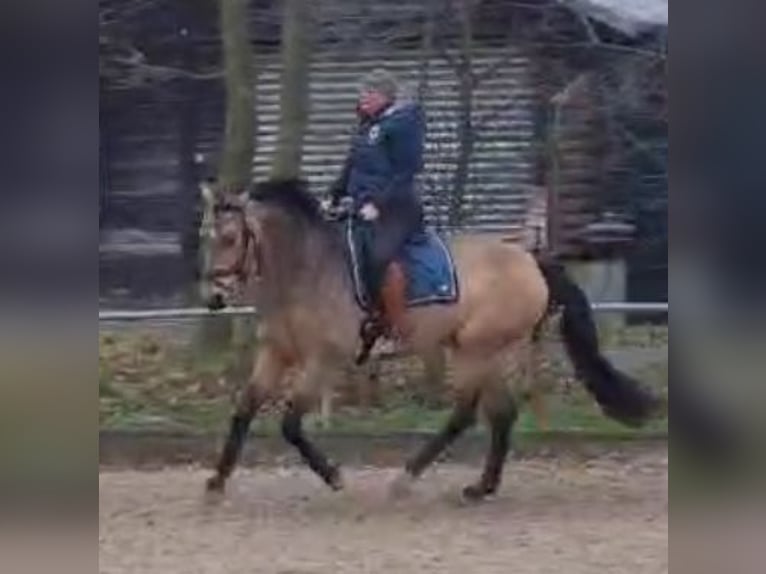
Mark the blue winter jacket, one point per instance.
(386, 154)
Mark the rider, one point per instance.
(379, 176)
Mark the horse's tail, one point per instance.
(620, 396)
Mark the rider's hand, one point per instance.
(326, 204)
(369, 212)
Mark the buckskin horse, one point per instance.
(275, 248)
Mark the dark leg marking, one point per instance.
(238, 429)
(463, 416)
(248, 406)
(501, 424)
(292, 430)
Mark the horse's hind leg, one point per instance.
(300, 403)
(462, 417)
(467, 387)
(501, 412)
(499, 406)
(267, 372)
(531, 359)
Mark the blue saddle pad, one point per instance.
(427, 264)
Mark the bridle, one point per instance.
(248, 240)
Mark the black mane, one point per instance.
(291, 195)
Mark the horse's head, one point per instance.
(233, 242)
(263, 234)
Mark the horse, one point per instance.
(273, 247)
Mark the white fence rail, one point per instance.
(192, 312)
(182, 313)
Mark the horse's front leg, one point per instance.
(268, 370)
(303, 397)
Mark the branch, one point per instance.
(487, 119)
(165, 72)
(562, 97)
(451, 61)
(657, 55)
(126, 55)
(125, 11)
(589, 29)
(640, 146)
(652, 54)
(596, 41)
(490, 70)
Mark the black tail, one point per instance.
(620, 396)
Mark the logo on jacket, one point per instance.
(374, 135)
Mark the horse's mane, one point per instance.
(303, 214)
(291, 195)
(309, 245)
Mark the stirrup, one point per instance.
(370, 331)
(371, 326)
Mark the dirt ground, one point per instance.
(606, 515)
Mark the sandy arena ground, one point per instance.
(552, 516)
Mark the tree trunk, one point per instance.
(465, 135)
(294, 100)
(464, 153)
(426, 50)
(234, 169)
(239, 138)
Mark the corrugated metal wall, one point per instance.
(502, 166)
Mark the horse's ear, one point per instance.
(208, 195)
(252, 217)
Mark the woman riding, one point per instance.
(379, 177)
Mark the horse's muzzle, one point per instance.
(216, 302)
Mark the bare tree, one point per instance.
(239, 135)
(234, 168)
(123, 65)
(297, 26)
(426, 48)
(465, 135)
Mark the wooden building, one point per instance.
(162, 116)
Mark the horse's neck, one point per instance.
(309, 273)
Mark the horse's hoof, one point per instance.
(401, 486)
(335, 480)
(215, 484)
(475, 493)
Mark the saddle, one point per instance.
(423, 274)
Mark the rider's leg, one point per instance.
(372, 326)
(387, 281)
(394, 300)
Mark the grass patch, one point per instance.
(149, 383)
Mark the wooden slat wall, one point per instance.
(503, 164)
(153, 133)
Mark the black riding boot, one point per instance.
(371, 329)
